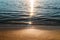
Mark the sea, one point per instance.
(27, 11)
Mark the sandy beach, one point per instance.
(31, 32)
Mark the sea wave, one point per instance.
(45, 11)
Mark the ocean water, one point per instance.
(20, 10)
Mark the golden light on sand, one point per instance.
(31, 31)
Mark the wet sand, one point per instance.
(32, 32)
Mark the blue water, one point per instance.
(18, 10)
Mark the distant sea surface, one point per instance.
(19, 10)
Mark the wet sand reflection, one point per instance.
(29, 33)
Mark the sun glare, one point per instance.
(30, 22)
(31, 7)
(31, 4)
